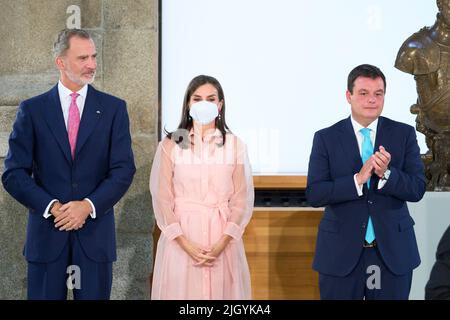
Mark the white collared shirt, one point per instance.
(359, 137)
(65, 99)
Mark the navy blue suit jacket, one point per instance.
(39, 168)
(334, 160)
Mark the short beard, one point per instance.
(79, 80)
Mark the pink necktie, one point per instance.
(74, 122)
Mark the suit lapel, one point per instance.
(91, 114)
(350, 145)
(382, 139)
(53, 115)
(383, 129)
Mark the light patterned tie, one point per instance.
(74, 123)
(366, 153)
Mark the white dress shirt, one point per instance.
(359, 137)
(66, 99)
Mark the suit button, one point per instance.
(369, 202)
(364, 226)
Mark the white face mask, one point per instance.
(204, 112)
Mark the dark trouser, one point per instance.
(90, 279)
(362, 282)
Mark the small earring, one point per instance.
(220, 117)
(189, 118)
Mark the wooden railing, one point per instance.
(280, 244)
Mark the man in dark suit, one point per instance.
(438, 286)
(363, 169)
(69, 161)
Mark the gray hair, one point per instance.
(61, 43)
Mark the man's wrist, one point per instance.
(92, 211)
(357, 179)
(87, 205)
(51, 206)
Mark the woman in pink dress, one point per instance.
(202, 193)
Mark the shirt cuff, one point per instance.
(172, 231)
(93, 214)
(359, 188)
(46, 213)
(233, 230)
(381, 183)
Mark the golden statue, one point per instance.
(426, 55)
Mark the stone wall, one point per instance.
(126, 36)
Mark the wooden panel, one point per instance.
(280, 247)
(279, 182)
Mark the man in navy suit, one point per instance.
(438, 286)
(69, 161)
(363, 169)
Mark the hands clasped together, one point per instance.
(203, 256)
(71, 215)
(378, 163)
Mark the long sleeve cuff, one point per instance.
(359, 188)
(382, 182)
(172, 231)
(233, 230)
(46, 213)
(93, 214)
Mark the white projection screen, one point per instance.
(283, 65)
